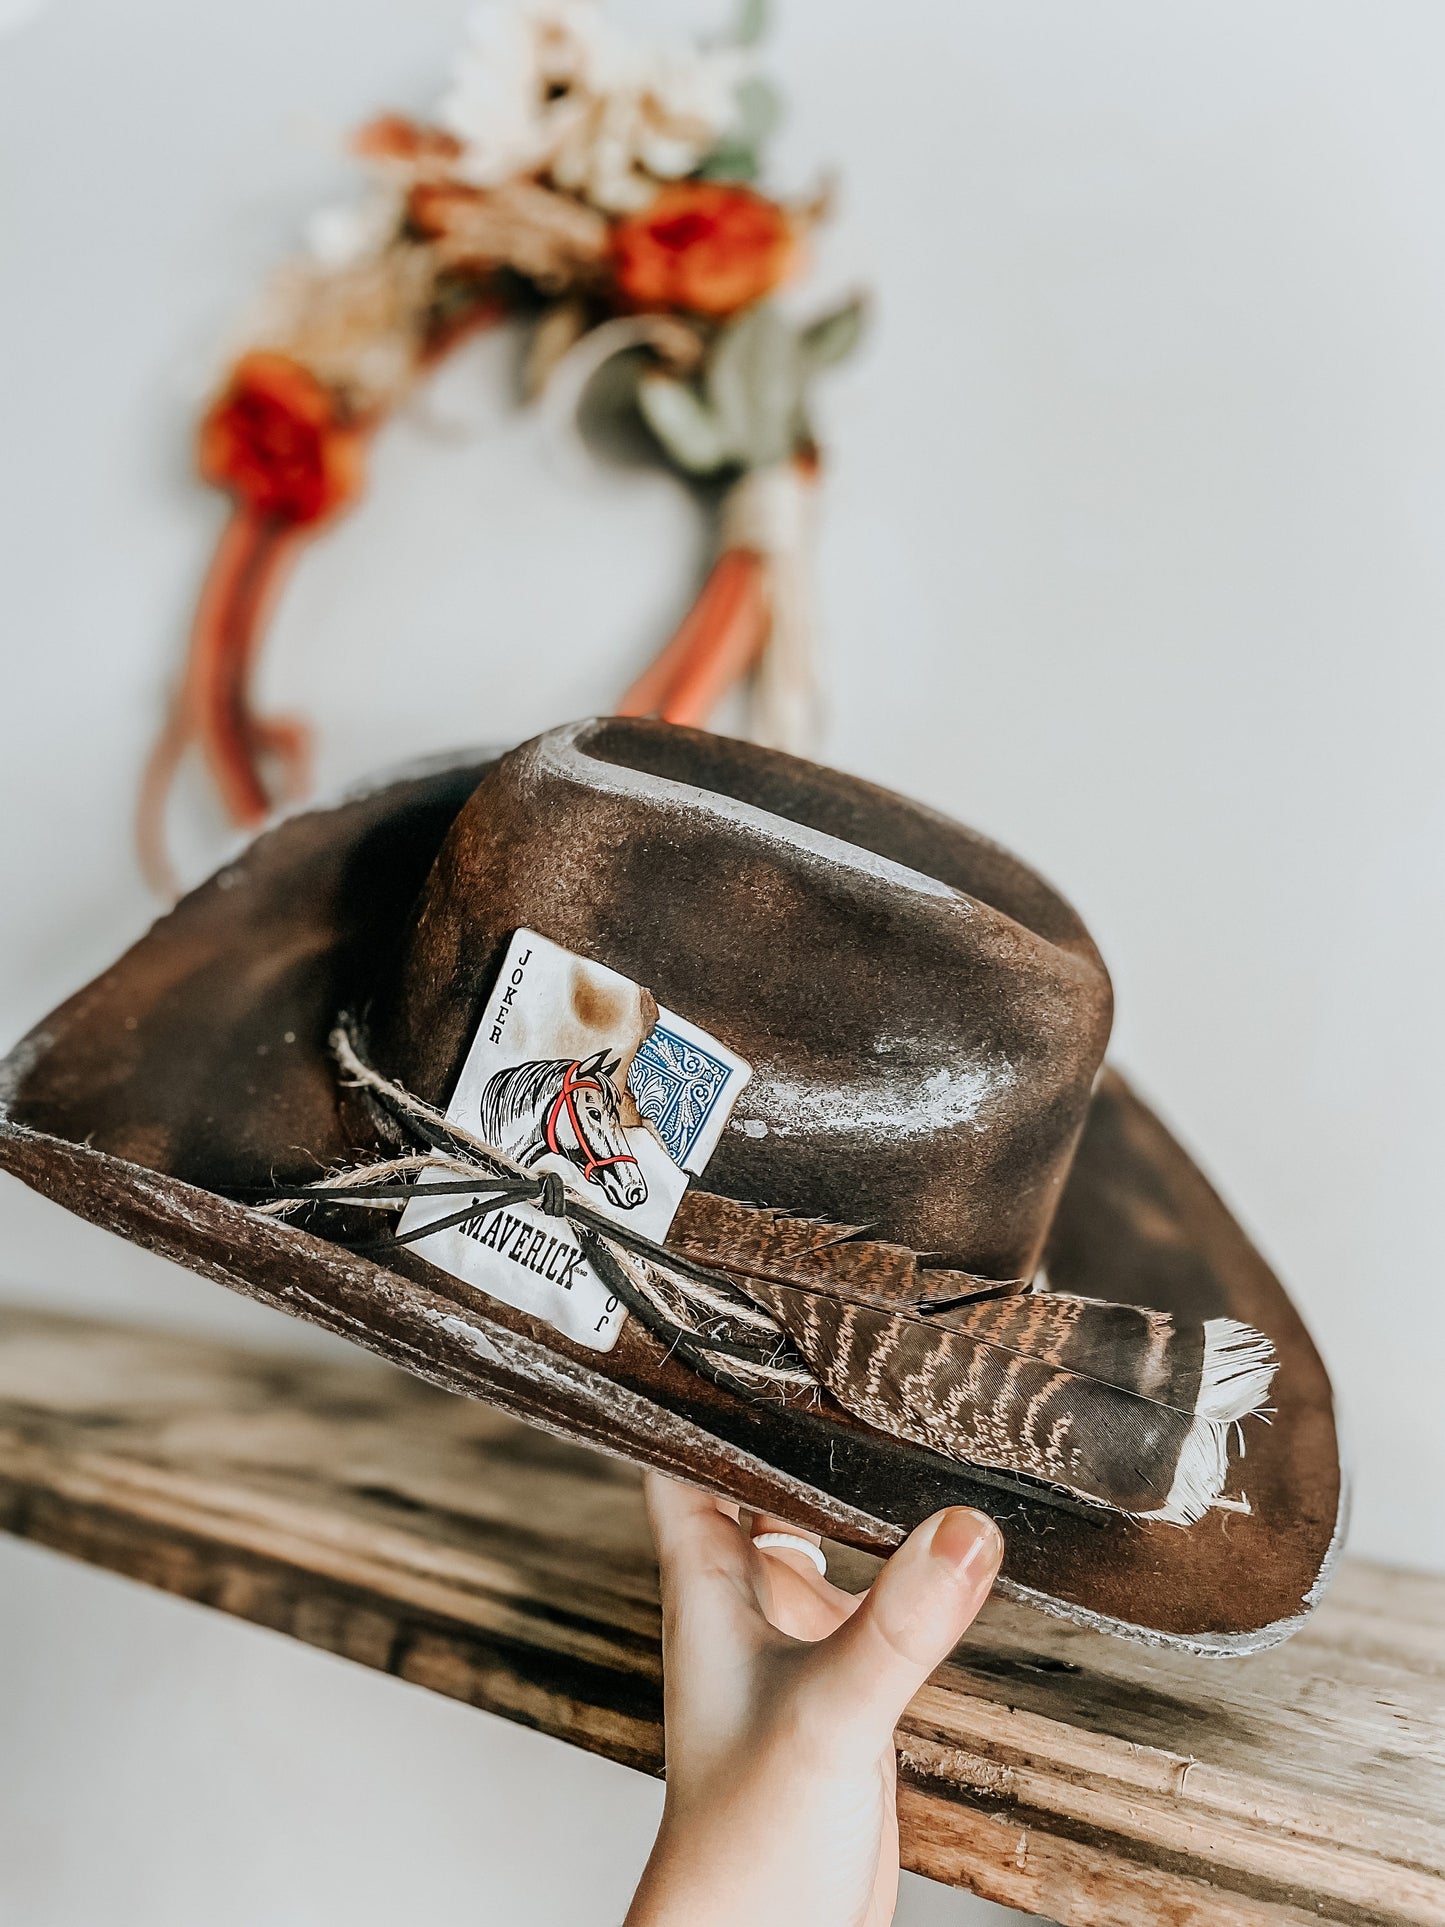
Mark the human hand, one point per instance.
(781, 1693)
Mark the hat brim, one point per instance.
(198, 1065)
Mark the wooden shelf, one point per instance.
(1060, 1771)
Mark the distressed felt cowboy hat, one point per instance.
(982, 1270)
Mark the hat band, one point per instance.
(699, 1314)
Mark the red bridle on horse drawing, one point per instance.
(565, 1102)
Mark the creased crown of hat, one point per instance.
(924, 1016)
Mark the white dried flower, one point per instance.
(551, 88)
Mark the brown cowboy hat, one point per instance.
(926, 1022)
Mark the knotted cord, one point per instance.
(694, 1310)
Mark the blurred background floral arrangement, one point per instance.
(603, 190)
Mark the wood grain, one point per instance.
(356, 1508)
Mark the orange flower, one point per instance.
(274, 438)
(707, 246)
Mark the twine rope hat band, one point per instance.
(686, 1306)
(677, 1300)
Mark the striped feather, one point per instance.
(837, 1258)
(1117, 1404)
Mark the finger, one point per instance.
(917, 1610)
(713, 1623)
(799, 1602)
(708, 1572)
(689, 1528)
(798, 1599)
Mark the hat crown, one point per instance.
(924, 1016)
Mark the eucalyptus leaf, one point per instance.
(751, 22)
(832, 336)
(688, 429)
(736, 156)
(760, 108)
(729, 161)
(755, 386)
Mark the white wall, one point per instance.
(1134, 557)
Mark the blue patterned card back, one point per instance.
(676, 1085)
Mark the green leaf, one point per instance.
(751, 22)
(728, 161)
(755, 385)
(736, 156)
(687, 428)
(760, 108)
(833, 336)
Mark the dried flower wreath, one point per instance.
(602, 191)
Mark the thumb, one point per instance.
(919, 1607)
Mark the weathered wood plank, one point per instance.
(354, 1507)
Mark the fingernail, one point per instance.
(970, 1543)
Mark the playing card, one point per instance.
(575, 1069)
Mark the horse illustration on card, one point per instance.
(570, 1109)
